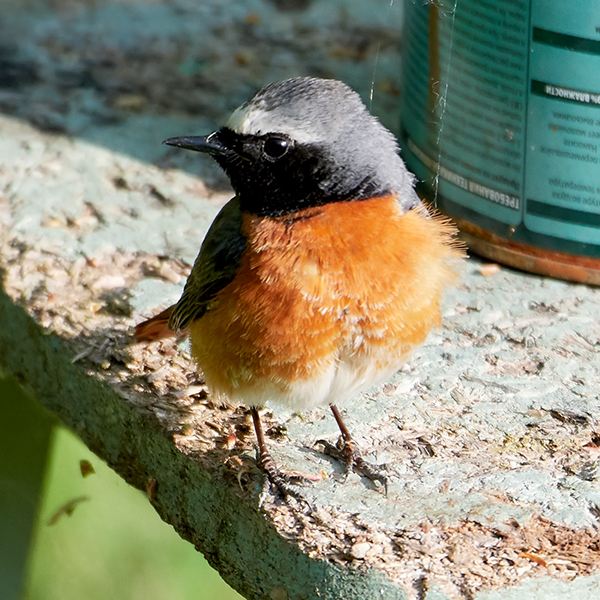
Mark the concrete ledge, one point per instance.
(490, 430)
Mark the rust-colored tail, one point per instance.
(155, 328)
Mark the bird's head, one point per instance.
(305, 142)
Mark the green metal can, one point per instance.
(500, 122)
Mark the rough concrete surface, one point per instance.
(490, 431)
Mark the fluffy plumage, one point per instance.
(324, 304)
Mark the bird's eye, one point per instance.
(275, 147)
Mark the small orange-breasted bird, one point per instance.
(322, 273)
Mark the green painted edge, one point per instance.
(233, 535)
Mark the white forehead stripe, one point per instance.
(249, 120)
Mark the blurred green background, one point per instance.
(112, 545)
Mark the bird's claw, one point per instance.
(350, 455)
(283, 483)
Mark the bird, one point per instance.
(323, 272)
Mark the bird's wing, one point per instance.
(215, 266)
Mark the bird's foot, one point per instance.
(284, 484)
(350, 455)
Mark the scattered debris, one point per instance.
(86, 468)
(67, 509)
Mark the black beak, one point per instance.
(209, 143)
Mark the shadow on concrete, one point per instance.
(127, 75)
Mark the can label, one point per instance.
(500, 117)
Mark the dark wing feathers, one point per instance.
(215, 266)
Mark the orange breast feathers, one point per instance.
(349, 285)
(352, 285)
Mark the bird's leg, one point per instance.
(346, 451)
(266, 463)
